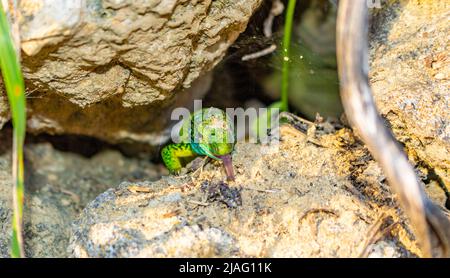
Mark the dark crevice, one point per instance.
(85, 146)
(433, 176)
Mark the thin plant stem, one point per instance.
(14, 84)
(286, 54)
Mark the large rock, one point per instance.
(410, 77)
(111, 69)
(58, 187)
(312, 198)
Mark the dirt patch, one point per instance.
(58, 186)
(316, 196)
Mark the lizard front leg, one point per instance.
(172, 156)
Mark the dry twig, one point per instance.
(276, 10)
(431, 226)
(259, 54)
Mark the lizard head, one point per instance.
(214, 135)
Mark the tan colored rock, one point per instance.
(58, 186)
(410, 65)
(111, 69)
(305, 200)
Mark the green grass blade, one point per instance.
(283, 104)
(289, 19)
(13, 80)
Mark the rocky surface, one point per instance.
(310, 198)
(410, 77)
(111, 68)
(320, 195)
(58, 187)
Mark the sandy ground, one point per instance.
(318, 195)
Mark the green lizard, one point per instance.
(208, 132)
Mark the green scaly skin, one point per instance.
(208, 132)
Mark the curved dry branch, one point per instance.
(431, 226)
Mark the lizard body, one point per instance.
(208, 132)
